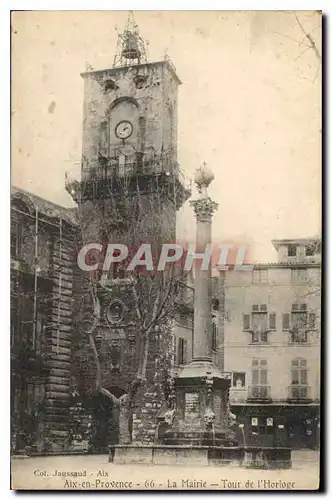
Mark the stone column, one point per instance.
(204, 208)
(200, 415)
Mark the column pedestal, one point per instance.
(200, 415)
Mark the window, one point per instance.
(140, 81)
(299, 322)
(310, 250)
(15, 239)
(215, 304)
(185, 319)
(259, 323)
(299, 337)
(272, 321)
(292, 250)
(246, 321)
(285, 321)
(259, 328)
(239, 380)
(299, 379)
(299, 275)
(259, 379)
(40, 326)
(259, 276)
(182, 351)
(110, 85)
(312, 321)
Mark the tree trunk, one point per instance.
(125, 418)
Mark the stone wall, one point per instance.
(58, 346)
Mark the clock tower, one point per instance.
(130, 190)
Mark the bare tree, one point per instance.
(131, 217)
(307, 41)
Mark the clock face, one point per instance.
(124, 130)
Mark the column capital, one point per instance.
(204, 209)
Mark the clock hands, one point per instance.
(124, 130)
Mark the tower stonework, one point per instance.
(129, 193)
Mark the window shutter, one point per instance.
(246, 321)
(263, 380)
(214, 337)
(312, 320)
(178, 351)
(255, 377)
(272, 321)
(285, 321)
(295, 377)
(303, 377)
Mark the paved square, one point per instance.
(94, 472)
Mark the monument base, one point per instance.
(184, 435)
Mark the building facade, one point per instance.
(266, 332)
(42, 236)
(272, 346)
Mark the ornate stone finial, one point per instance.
(203, 178)
(204, 206)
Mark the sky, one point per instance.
(249, 106)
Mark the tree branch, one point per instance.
(309, 38)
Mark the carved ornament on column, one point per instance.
(204, 209)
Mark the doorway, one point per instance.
(104, 421)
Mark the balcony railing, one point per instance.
(109, 170)
(259, 392)
(109, 167)
(299, 392)
(259, 337)
(298, 337)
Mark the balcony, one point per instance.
(260, 338)
(298, 337)
(259, 393)
(299, 393)
(101, 177)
